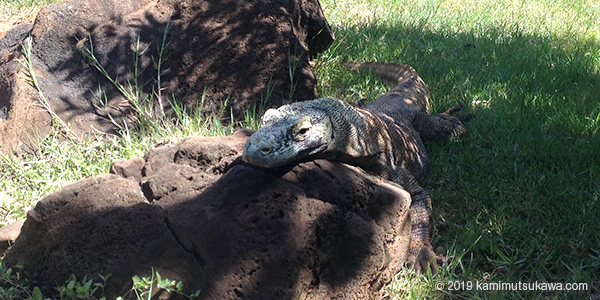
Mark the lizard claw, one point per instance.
(455, 111)
(425, 260)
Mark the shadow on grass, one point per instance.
(526, 179)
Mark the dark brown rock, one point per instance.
(233, 50)
(130, 168)
(319, 230)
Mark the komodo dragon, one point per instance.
(383, 138)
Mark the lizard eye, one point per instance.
(265, 150)
(301, 129)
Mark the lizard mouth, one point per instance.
(312, 152)
(277, 158)
(318, 148)
(255, 161)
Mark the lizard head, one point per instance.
(288, 134)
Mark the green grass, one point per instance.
(14, 12)
(13, 7)
(516, 201)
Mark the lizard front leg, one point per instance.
(420, 252)
(440, 127)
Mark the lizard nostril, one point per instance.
(266, 149)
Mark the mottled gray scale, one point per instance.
(384, 138)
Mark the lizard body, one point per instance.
(383, 138)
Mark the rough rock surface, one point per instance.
(194, 212)
(241, 50)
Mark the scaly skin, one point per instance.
(383, 138)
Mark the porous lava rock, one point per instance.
(194, 212)
(238, 52)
